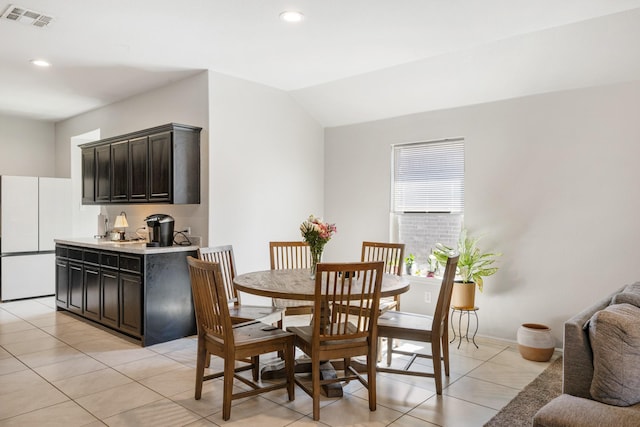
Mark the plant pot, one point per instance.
(535, 342)
(464, 295)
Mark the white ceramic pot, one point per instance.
(535, 342)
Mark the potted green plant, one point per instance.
(408, 262)
(473, 265)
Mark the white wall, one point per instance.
(267, 164)
(262, 160)
(550, 181)
(27, 147)
(186, 102)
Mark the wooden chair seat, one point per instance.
(405, 326)
(305, 337)
(417, 327)
(245, 313)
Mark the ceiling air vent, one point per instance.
(27, 16)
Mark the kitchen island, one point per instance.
(143, 292)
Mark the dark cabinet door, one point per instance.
(131, 304)
(160, 167)
(76, 294)
(110, 302)
(88, 175)
(103, 173)
(139, 169)
(62, 282)
(92, 292)
(119, 171)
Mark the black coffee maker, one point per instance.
(161, 226)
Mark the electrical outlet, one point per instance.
(427, 297)
(188, 231)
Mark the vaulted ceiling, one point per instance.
(348, 61)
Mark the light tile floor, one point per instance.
(58, 370)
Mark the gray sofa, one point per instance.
(576, 406)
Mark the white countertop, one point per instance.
(129, 247)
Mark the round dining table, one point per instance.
(297, 284)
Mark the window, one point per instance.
(427, 200)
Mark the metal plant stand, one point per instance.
(462, 311)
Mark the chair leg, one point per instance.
(255, 360)
(207, 360)
(437, 364)
(289, 362)
(315, 388)
(371, 378)
(280, 324)
(202, 354)
(445, 351)
(227, 389)
(389, 350)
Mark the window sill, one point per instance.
(423, 280)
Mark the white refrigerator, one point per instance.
(33, 211)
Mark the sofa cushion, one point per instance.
(626, 298)
(615, 341)
(566, 410)
(633, 288)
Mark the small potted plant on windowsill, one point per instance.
(473, 265)
(408, 262)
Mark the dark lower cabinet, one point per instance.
(92, 292)
(62, 282)
(147, 297)
(76, 287)
(110, 298)
(131, 304)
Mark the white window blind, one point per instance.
(428, 177)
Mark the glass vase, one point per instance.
(316, 257)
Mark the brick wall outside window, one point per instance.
(421, 231)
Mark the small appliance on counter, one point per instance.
(161, 227)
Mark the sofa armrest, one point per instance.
(577, 361)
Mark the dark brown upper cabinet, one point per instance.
(156, 165)
(120, 171)
(88, 175)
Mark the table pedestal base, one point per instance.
(327, 371)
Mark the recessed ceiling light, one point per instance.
(40, 63)
(291, 16)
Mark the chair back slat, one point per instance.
(338, 285)
(223, 255)
(441, 314)
(289, 255)
(391, 253)
(210, 300)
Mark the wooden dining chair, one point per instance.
(393, 256)
(239, 312)
(241, 342)
(417, 327)
(341, 333)
(287, 256)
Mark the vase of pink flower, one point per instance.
(316, 233)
